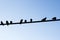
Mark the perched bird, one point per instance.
(2, 23)
(30, 20)
(7, 23)
(25, 21)
(54, 18)
(44, 19)
(21, 21)
(10, 22)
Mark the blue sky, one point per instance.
(25, 9)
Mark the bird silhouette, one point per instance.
(7, 23)
(54, 18)
(30, 20)
(10, 22)
(44, 19)
(21, 21)
(25, 21)
(2, 23)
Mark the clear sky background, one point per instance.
(25, 9)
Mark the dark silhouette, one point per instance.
(2, 23)
(10, 22)
(7, 23)
(21, 21)
(25, 21)
(44, 19)
(54, 18)
(30, 20)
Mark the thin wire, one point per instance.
(21, 21)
